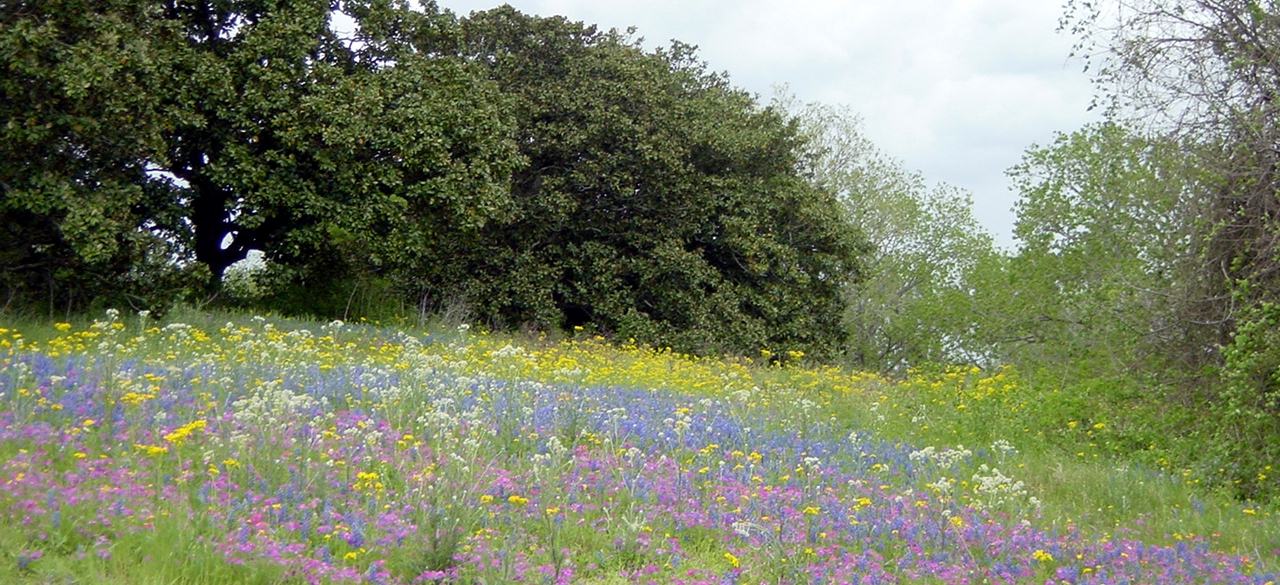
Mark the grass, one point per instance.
(220, 448)
(1074, 462)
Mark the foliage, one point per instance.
(302, 144)
(1198, 72)
(657, 202)
(1202, 74)
(1246, 443)
(543, 173)
(1107, 224)
(926, 244)
(76, 125)
(207, 130)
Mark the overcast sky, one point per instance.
(956, 89)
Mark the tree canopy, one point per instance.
(1099, 284)
(74, 146)
(213, 128)
(657, 202)
(541, 172)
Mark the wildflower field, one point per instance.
(270, 451)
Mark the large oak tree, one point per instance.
(209, 128)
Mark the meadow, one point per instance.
(231, 449)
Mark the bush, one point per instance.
(1247, 444)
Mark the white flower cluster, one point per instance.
(410, 342)
(271, 405)
(555, 447)
(1004, 448)
(943, 458)
(746, 529)
(570, 374)
(612, 421)
(515, 358)
(994, 488)
(942, 486)
(509, 350)
(386, 394)
(875, 409)
(109, 330)
(451, 428)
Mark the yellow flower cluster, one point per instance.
(368, 482)
(180, 434)
(135, 398)
(151, 450)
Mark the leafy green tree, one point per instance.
(77, 121)
(296, 140)
(926, 244)
(1106, 223)
(215, 127)
(658, 202)
(1202, 74)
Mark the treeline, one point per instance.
(534, 173)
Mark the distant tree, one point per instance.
(926, 243)
(1106, 223)
(211, 128)
(658, 202)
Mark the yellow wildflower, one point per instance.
(180, 434)
(152, 450)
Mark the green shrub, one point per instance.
(1246, 445)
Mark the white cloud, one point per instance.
(955, 88)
